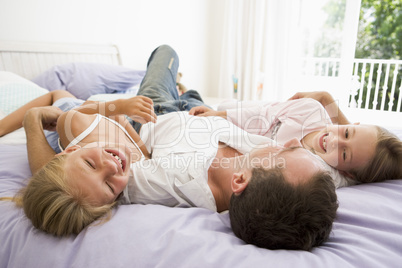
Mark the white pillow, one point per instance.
(16, 91)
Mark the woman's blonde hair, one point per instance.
(53, 205)
(387, 161)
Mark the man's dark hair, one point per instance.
(274, 214)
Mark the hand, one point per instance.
(199, 110)
(328, 102)
(47, 115)
(140, 109)
(321, 96)
(205, 111)
(89, 102)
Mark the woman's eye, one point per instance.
(344, 155)
(111, 189)
(89, 164)
(347, 133)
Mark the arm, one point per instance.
(328, 102)
(205, 111)
(139, 108)
(133, 134)
(35, 121)
(14, 120)
(252, 119)
(70, 124)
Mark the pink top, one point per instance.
(280, 121)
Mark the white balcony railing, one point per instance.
(375, 84)
(374, 87)
(326, 67)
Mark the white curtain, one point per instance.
(260, 40)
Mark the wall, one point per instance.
(192, 27)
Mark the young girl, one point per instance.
(98, 174)
(62, 206)
(364, 153)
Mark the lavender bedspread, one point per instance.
(367, 233)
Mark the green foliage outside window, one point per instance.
(380, 37)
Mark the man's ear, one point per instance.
(347, 174)
(69, 150)
(239, 183)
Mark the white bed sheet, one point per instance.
(366, 233)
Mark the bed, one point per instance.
(366, 233)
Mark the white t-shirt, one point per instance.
(183, 148)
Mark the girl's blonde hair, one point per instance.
(387, 161)
(53, 205)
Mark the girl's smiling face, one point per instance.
(346, 147)
(100, 173)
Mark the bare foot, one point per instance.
(180, 87)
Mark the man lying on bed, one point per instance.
(278, 197)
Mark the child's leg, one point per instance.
(159, 82)
(14, 120)
(192, 99)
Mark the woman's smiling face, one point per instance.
(346, 147)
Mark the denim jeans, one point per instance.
(159, 84)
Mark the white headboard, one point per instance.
(29, 59)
